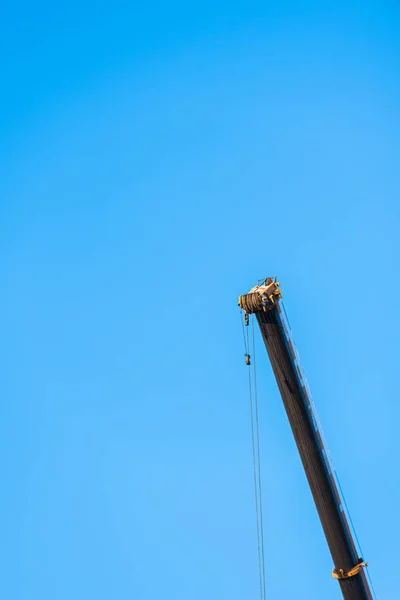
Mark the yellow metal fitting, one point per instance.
(261, 297)
(340, 574)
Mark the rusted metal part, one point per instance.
(261, 297)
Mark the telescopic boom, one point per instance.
(264, 301)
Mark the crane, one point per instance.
(264, 301)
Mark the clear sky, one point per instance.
(156, 160)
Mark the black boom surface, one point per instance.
(308, 442)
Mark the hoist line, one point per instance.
(256, 458)
(260, 569)
(244, 334)
(258, 452)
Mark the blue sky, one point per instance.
(155, 162)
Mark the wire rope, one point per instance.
(258, 454)
(255, 443)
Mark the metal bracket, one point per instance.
(341, 574)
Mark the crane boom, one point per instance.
(264, 301)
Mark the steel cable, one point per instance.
(258, 455)
(255, 442)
